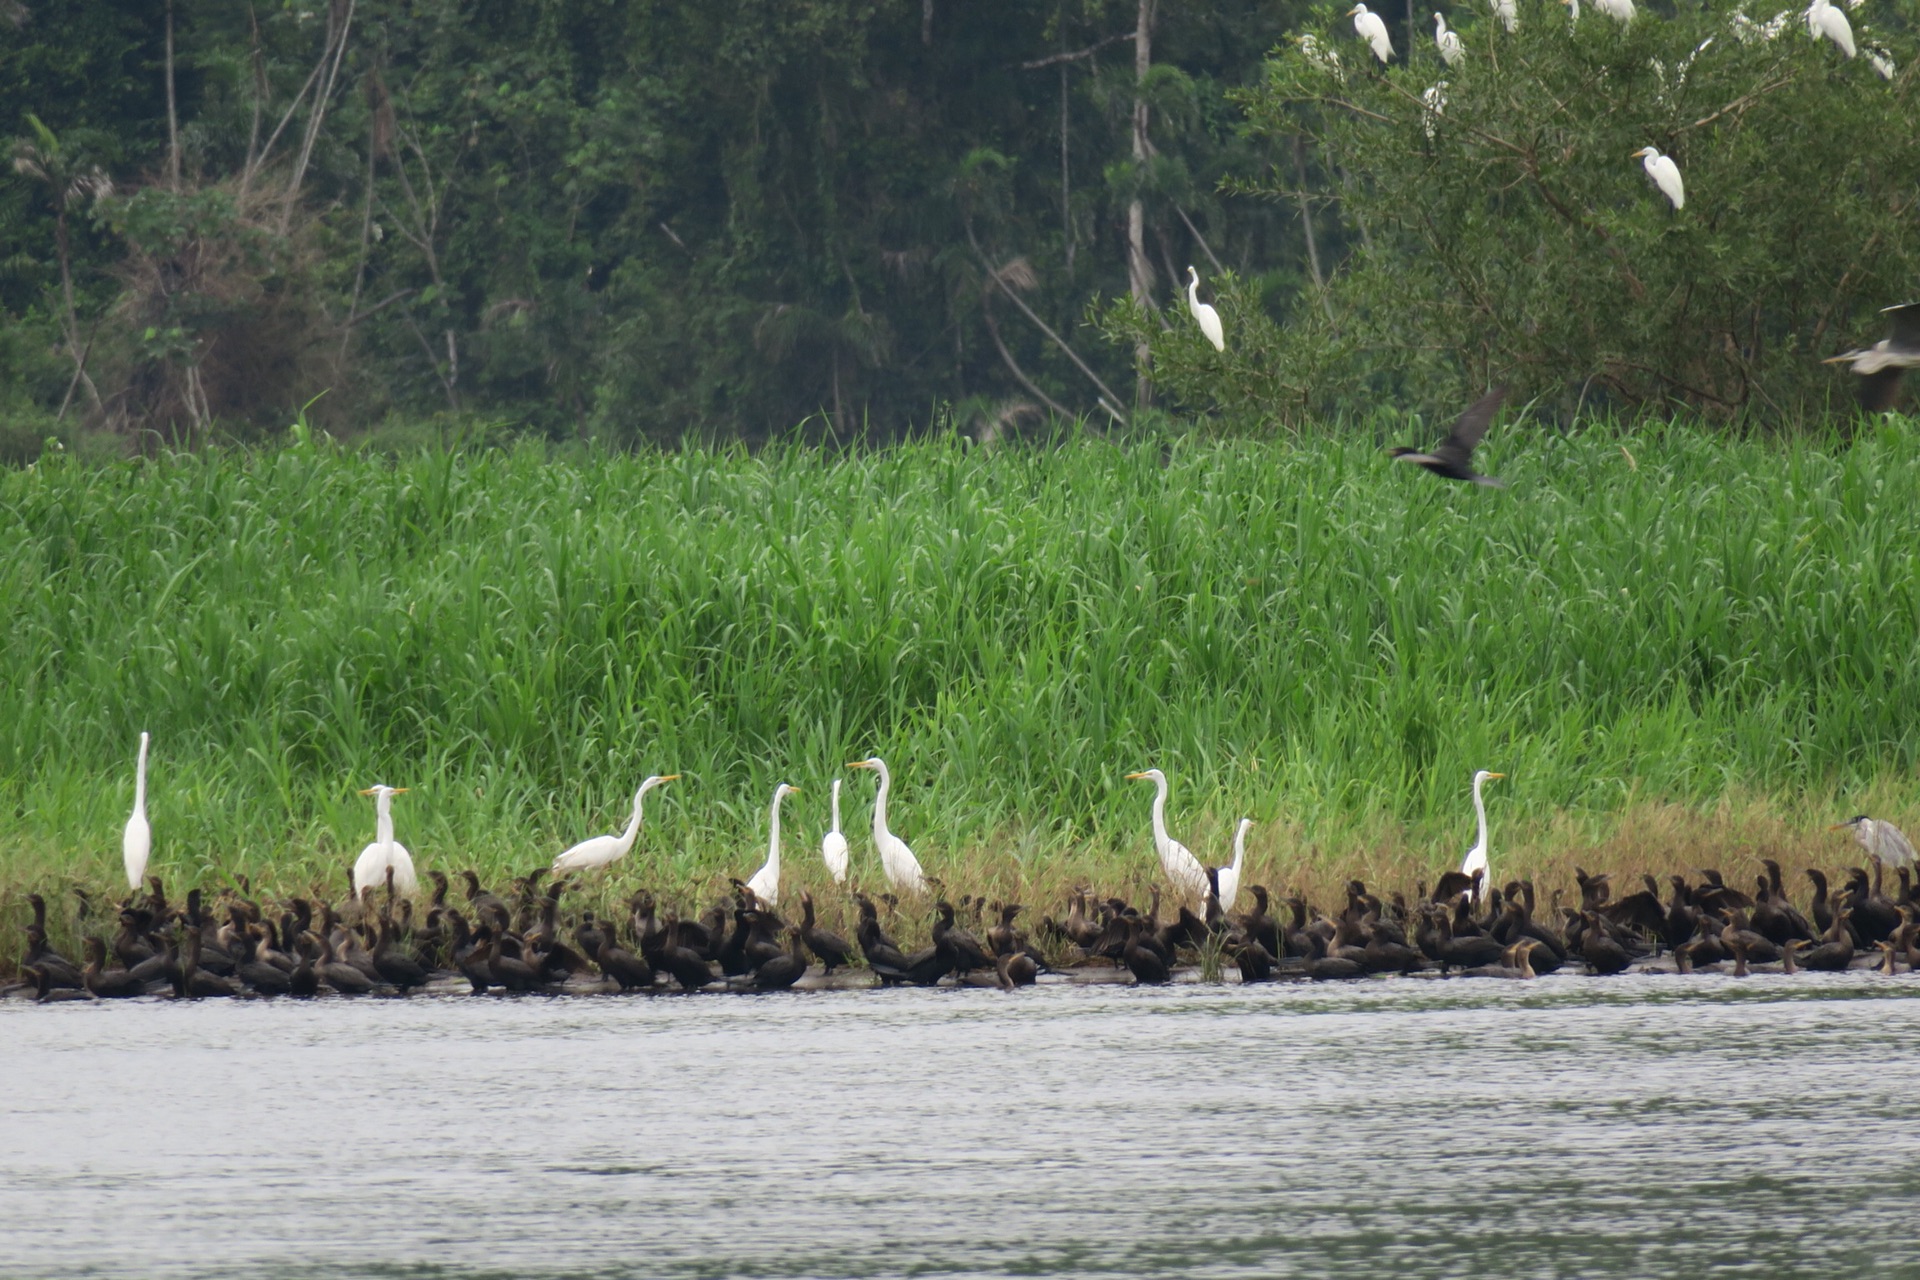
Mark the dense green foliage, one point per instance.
(623, 220)
(1507, 233)
(1302, 635)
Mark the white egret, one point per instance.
(1373, 31)
(1884, 842)
(1324, 59)
(370, 868)
(1451, 50)
(136, 843)
(896, 859)
(1881, 61)
(1229, 877)
(833, 845)
(1189, 878)
(599, 851)
(1665, 174)
(1509, 14)
(1476, 859)
(1573, 10)
(1203, 315)
(1434, 99)
(1825, 20)
(766, 881)
(1619, 10)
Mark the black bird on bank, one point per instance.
(1881, 364)
(1452, 458)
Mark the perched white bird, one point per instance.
(1451, 50)
(1324, 59)
(1881, 61)
(1665, 174)
(1508, 13)
(1189, 878)
(1573, 10)
(1619, 10)
(1434, 99)
(1203, 315)
(1884, 842)
(833, 845)
(766, 881)
(1372, 30)
(370, 868)
(896, 859)
(1825, 20)
(600, 851)
(1229, 877)
(1476, 859)
(136, 843)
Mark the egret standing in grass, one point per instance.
(833, 845)
(1451, 50)
(600, 851)
(1203, 315)
(1183, 870)
(385, 853)
(765, 883)
(896, 859)
(1476, 859)
(1229, 876)
(1665, 174)
(1373, 31)
(1884, 842)
(136, 842)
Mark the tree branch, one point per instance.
(1078, 54)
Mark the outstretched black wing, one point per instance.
(1458, 447)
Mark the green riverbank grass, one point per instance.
(1712, 639)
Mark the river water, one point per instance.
(1638, 1126)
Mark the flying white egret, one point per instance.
(1372, 30)
(1451, 50)
(1508, 13)
(1203, 315)
(1183, 869)
(370, 868)
(599, 851)
(896, 859)
(1665, 174)
(766, 881)
(1884, 842)
(1476, 859)
(1825, 20)
(833, 845)
(136, 843)
(1229, 877)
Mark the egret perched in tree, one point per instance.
(1665, 174)
(1373, 31)
(1434, 99)
(1203, 315)
(370, 868)
(1825, 20)
(1325, 59)
(1189, 878)
(600, 851)
(1229, 876)
(1451, 50)
(1476, 859)
(833, 845)
(766, 881)
(1881, 61)
(1619, 10)
(136, 842)
(1508, 13)
(896, 859)
(1884, 842)
(1881, 365)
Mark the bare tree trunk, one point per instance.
(926, 23)
(1139, 270)
(1066, 174)
(173, 115)
(317, 114)
(1306, 225)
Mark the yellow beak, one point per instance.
(1496, 775)
(670, 777)
(1135, 777)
